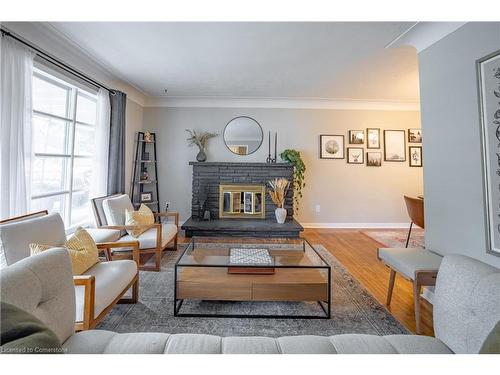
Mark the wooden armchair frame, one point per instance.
(157, 251)
(88, 281)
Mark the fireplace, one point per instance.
(231, 191)
(242, 201)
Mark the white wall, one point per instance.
(454, 208)
(346, 193)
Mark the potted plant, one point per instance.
(293, 157)
(279, 187)
(200, 140)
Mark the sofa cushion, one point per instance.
(22, 333)
(413, 344)
(306, 345)
(111, 278)
(249, 345)
(47, 229)
(137, 343)
(147, 240)
(88, 342)
(101, 235)
(143, 216)
(193, 344)
(361, 344)
(114, 209)
(408, 260)
(492, 343)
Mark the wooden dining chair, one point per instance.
(415, 208)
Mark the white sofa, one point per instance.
(466, 309)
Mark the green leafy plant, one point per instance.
(293, 157)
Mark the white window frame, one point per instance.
(69, 156)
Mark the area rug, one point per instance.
(354, 310)
(397, 237)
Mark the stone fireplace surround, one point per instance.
(207, 176)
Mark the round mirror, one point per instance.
(243, 135)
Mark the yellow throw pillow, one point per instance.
(143, 216)
(81, 248)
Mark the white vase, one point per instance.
(280, 215)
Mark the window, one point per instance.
(64, 124)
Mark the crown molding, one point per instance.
(280, 103)
(422, 35)
(46, 37)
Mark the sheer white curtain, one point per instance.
(100, 180)
(15, 127)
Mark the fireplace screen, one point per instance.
(242, 201)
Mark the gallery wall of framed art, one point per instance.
(394, 149)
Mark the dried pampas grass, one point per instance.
(279, 187)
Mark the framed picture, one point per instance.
(414, 135)
(146, 197)
(355, 155)
(145, 156)
(415, 153)
(356, 137)
(373, 159)
(372, 138)
(394, 145)
(331, 146)
(488, 79)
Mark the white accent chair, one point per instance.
(98, 289)
(466, 310)
(420, 266)
(109, 213)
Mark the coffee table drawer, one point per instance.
(290, 292)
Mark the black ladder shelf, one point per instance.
(143, 181)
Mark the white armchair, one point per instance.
(109, 213)
(99, 288)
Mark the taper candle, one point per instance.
(275, 145)
(269, 146)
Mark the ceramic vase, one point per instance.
(280, 215)
(201, 157)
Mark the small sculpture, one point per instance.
(148, 137)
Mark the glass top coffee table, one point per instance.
(257, 270)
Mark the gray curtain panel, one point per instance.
(116, 160)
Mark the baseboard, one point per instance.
(357, 225)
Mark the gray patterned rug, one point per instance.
(354, 310)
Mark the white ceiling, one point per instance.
(331, 60)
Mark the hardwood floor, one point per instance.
(358, 253)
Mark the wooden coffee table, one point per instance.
(204, 272)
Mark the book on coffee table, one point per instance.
(240, 257)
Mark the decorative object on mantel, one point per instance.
(279, 187)
(243, 135)
(269, 158)
(148, 137)
(488, 80)
(144, 183)
(200, 140)
(299, 168)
